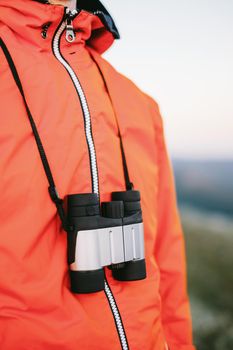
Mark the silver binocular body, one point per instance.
(107, 246)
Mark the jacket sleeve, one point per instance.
(170, 254)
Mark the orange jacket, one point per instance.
(37, 309)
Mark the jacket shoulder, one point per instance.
(134, 93)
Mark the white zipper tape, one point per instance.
(93, 162)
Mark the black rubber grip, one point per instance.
(83, 282)
(132, 271)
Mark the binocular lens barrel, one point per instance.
(136, 269)
(131, 200)
(83, 207)
(85, 204)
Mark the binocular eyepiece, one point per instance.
(110, 234)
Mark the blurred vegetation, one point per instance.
(210, 281)
(205, 196)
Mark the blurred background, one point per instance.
(181, 53)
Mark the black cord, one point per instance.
(128, 184)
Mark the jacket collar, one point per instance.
(96, 7)
(26, 18)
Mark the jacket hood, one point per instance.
(27, 18)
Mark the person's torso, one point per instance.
(38, 310)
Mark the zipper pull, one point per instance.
(70, 34)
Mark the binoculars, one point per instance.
(110, 234)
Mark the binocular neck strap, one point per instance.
(52, 188)
(128, 184)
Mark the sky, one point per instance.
(181, 53)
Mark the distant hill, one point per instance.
(205, 184)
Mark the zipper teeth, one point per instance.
(118, 321)
(94, 169)
(84, 105)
